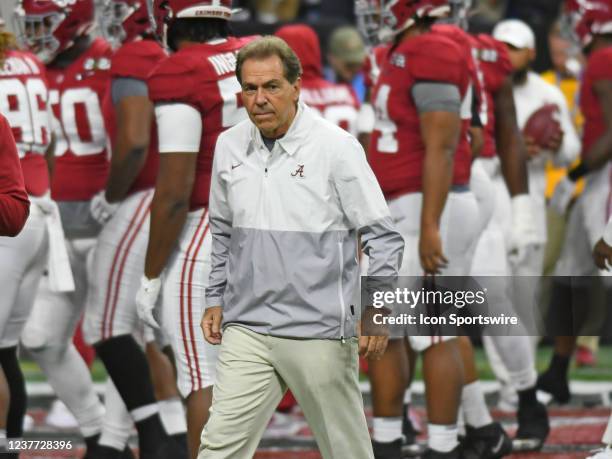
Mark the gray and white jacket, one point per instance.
(284, 225)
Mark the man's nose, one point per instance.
(260, 97)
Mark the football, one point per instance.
(543, 125)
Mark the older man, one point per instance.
(290, 193)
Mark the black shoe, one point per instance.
(106, 452)
(454, 454)
(410, 445)
(533, 428)
(391, 450)
(488, 442)
(556, 386)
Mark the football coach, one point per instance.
(290, 194)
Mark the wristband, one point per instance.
(579, 171)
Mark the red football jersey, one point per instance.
(77, 95)
(24, 97)
(599, 67)
(137, 60)
(495, 65)
(396, 149)
(14, 204)
(336, 103)
(371, 66)
(203, 76)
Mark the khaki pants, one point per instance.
(253, 373)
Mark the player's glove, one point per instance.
(102, 210)
(524, 233)
(562, 196)
(146, 299)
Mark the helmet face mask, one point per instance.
(381, 21)
(124, 20)
(584, 19)
(36, 33)
(48, 27)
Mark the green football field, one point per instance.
(601, 372)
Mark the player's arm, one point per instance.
(439, 113)
(134, 113)
(510, 147)
(180, 130)
(601, 151)
(14, 203)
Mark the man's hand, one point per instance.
(102, 210)
(146, 299)
(562, 196)
(602, 255)
(373, 345)
(211, 324)
(533, 149)
(555, 142)
(430, 250)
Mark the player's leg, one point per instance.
(606, 451)
(110, 321)
(25, 259)
(183, 304)
(48, 337)
(388, 380)
(163, 375)
(116, 426)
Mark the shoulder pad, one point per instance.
(136, 59)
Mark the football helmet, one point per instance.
(123, 21)
(48, 27)
(381, 20)
(594, 17)
(162, 12)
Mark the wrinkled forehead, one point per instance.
(259, 71)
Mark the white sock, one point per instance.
(2, 438)
(607, 436)
(442, 438)
(117, 424)
(386, 430)
(143, 412)
(474, 406)
(407, 397)
(172, 415)
(461, 422)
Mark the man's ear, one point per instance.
(297, 86)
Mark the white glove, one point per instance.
(146, 298)
(562, 196)
(102, 210)
(524, 232)
(366, 119)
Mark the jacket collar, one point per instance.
(294, 137)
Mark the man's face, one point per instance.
(520, 58)
(270, 99)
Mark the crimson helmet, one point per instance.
(381, 20)
(163, 12)
(48, 27)
(594, 17)
(123, 21)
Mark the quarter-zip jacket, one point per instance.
(285, 223)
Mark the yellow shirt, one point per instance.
(570, 88)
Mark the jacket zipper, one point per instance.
(340, 294)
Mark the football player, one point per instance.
(77, 65)
(25, 136)
(111, 322)
(420, 153)
(337, 103)
(592, 26)
(195, 93)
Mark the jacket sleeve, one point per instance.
(364, 206)
(14, 203)
(220, 223)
